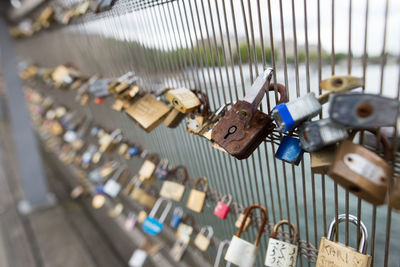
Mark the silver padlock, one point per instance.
(202, 241)
(280, 253)
(138, 258)
(178, 250)
(288, 115)
(112, 186)
(219, 253)
(363, 111)
(315, 135)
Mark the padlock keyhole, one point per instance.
(337, 82)
(364, 110)
(231, 130)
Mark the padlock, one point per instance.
(361, 171)
(116, 211)
(88, 154)
(148, 112)
(322, 159)
(98, 88)
(363, 111)
(196, 197)
(130, 221)
(223, 207)
(394, 194)
(220, 250)
(153, 226)
(143, 196)
(244, 127)
(332, 253)
(125, 85)
(99, 174)
(98, 201)
(202, 241)
(147, 169)
(178, 250)
(280, 253)
(142, 216)
(182, 99)
(176, 217)
(173, 190)
(239, 221)
(199, 117)
(113, 185)
(123, 148)
(184, 233)
(108, 141)
(241, 252)
(289, 150)
(174, 118)
(125, 77)
(288, 115)
(138, 258)
(213, 119)
(132, 151)
(315, 135)
(162, 170)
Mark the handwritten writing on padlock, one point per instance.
(174, 190)
(241, 252)
(280, 253)
(244, 127)
(361, 171)
(223, 207)
(153, 226)
(202, 241)
(332, 253)
(196, 197)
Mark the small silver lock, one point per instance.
(314, 135)
(219, 253)
(112, 187)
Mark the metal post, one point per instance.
(29, 161)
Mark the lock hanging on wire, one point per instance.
(329, 250)
(196, 197)
(202, 241)
(173, 190)
(289, 150)
(220, 250)
(153, 226)
(223, 206)
(176, 217)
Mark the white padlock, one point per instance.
(138, 258)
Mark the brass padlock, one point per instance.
(173, 118)
(280, 253)
(394, 194)
(196, 198)
(202, 241)
(322, 159)
(183, 99)
(108, 141)
(361, 171)
(173, 190)
(142, 216)
(148, 112)
(147, 169)
(143, 196)
(239, 221)
(332, 253)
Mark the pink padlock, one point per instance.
(223, 207)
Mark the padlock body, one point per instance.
(147, 169)
(336, 254)
(221, 210)
(241, 252)
(172, 190)
(363, 111)
(196, 200)
(174, 118)
(138, 258)
(177, 251)
(361, 171)
(161, 173)
(290, 150)
(112, 188)
(237, 138)
(322, 159)
(195, 123)
(152, 226)
(202, 242)
(289, 115)
(142, 216)
(175, 220)
(280, 254)
(183, 99)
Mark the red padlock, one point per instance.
(223, 207)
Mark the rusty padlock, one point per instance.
(196, 198)
(361, 171)
(244, 127)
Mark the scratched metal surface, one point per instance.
(302, 37)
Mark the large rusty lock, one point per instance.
(244, 127)
(196, 197)
(173, 190)
(361, 171)
(241, 252)
(332, 253)
(281, 253)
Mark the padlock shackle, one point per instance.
(281, 89)
(228, 198)
(279, 224)
(205, 183)
(174, 172)
(362, 247)
(387, 148)
(221, 246)
(165, 212)
(153, 157)
(209, 229)
(264, 221)
(204, 108)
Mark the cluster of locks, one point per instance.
(237, 131)
(57, 14)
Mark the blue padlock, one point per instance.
(290, 150)
(133, 151)
(153, 226)
(162, 170)
(176, 217)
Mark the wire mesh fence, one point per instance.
(220, 47)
